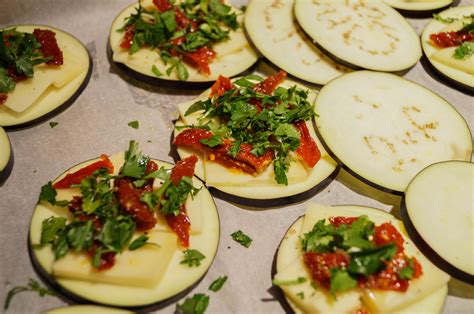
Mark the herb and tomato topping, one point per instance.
(112, 208)
(463, 39)
(181, 31)
(351, 252)
(259, 123)
(20, 52)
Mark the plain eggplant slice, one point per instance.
(234, 56)
(248, 191)
(281, 40)
(81, 309)
(384, 129)
(58, 97)
(178, 280)
(464, 79)
(5, 150)
(364, 34)
(438, 210)
(418, 5)
(289, 253)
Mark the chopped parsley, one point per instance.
(217, 284)
(444, 20)
(180, 30)
(268, 126)
(241, 238)
(296, 281)
(195, 305)
(33, 286)
(138, 242)
(53, 124)
(192, 258)
(300, 295)
(134, 124)
(465, 51)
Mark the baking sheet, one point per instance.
(97, 123)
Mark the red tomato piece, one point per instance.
(183, 168)
(128, 37)
(183, 21)
(308, 150)
(49, 45)
(162, 5)
(107, 260)
(270, 83)
(451, 39)
(192, 137)
(3, 98)
(320, 265)
(180, 225)
(129, 200)
(386, 233)
(243, 159)
(87, 171)
(340, 220)
(200, 59)
(222, 85)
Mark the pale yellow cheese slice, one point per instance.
(312, 300)
(142, 267)
(28, 91)
(445, 56)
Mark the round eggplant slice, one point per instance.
(281, 40)
(261, 190)
(459, 71)
(233, 56)
(52, 89)
(418, 5)
(384, 129)
(425, 294)
(144, 287)
(362, 34)
(82, 309)
(5, 150)
(438, 212)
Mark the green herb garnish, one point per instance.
(33, 285)
(465, 51)
(53, 124)
(195, 305)
(296, 281)
(445, 20)
(241, 238)
(138, 242)
(134, 124)
(217, 284)
(192, 258)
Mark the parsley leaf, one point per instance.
(192, 258)
(195, 305)
(371, 261)
(465, 51)
(48, 193)
(33, 285)
(407, 272)
(300, 295)
(53, 124)
(50, 228)
(213, 141)
(138, 242)
(7, 84)
(217, 284)
(135, 163)
(155, 71)
(134, 124)
(341, 281)
(447, 20)
(242, 238)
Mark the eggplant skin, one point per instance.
(428, 251)
(421, 12)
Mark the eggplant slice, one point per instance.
(463, 77)
(384, 129)
(71, 80)
(81, 309)
(430, 299)
(362, 34)
(252, 190)
(5, 150)
(234, 56)
(177, 281)
(281, 40)
(438, 212)
(418, 5)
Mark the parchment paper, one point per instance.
(97, 123)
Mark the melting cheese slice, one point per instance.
(312, 300)
(445, 56)
(142, 267)
(28, 91)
